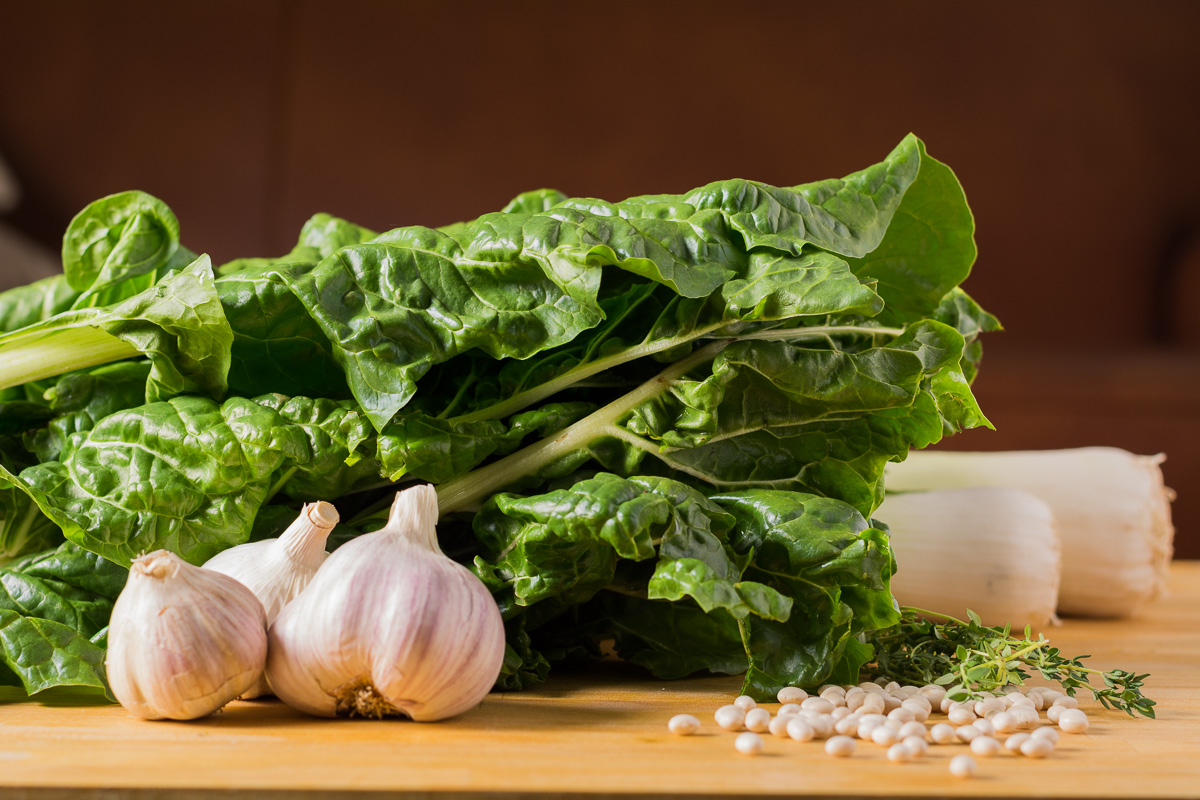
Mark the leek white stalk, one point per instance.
(1110, 507)
(277, 570)
(994, 551)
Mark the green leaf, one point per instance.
(187, 475)
(672, 640)
(43, 654)
(822, 554)
(24, 528)
(67, 585)
(929, 245)
(35, 302)
(117, 237)
(78, 400)
(178, 324)
(277, 346)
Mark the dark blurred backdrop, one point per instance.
(1074, 127)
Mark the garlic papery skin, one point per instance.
(183, 641)
(277, 570)
(389, 627)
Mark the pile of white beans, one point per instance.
(895, 717)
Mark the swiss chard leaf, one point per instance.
(67, 585)
(40, 654)
(928, 248)
(118, 237)
(277, 346)
(24, 528)
(35, 302)
(187, 475)
(177, 323)
(78, 400)
(822, 554)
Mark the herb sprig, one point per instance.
(979, 659)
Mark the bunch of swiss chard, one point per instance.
(658, 425)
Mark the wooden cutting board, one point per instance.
(602, 733)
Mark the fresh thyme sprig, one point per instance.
(976, 659)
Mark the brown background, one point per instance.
(1072, 125)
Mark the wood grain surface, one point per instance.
(602, 733)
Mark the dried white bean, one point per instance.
(1045, 732)
(985, 746)
(1025, 716)
(919, 706)
(683, 724)
(913, 728)
(989, 705)
(1013, 743)
(1052, 713)
(1037, 747)
(966, 733)
(847, 726)
(917, 744)
(822, 726)
(1072, 720)
(730, 718)
(943, 733)
(884, 736)
(788, 708)
(748, 743)
(873, 704)
(961, 715)
(1004, 722)
(778, 726)
(758, 720)
(933, 693)
(817, 704)
(791, 694)
(745, 702)
(899, 753)
(1066, 701)
(962, 766)
(799, 729)
(841, 746)
(984, 726)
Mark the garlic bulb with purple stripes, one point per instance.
(183, 641)
(389, 626)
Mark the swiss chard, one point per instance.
(740, 361)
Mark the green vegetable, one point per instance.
(190, 474)
(671, 413)
(177, 323)
(973, 658)
(782, 582)
(54, 610)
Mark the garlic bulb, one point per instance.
(276, 570)
(183, 641)
(389, 627)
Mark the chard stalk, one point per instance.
(46, 354)
(468, 490)
(537, 394)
